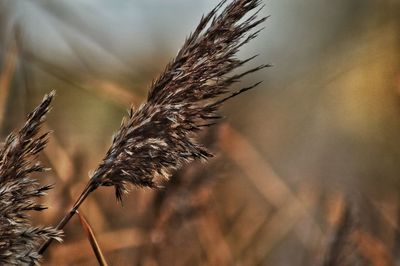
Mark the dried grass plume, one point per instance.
(159, 137)
(19, 239)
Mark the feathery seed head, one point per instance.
(159, 137)
(18, 191)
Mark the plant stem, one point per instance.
(88, 189)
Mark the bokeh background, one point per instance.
(320, 136)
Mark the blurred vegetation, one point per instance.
(322, 130)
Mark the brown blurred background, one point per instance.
(322, 132)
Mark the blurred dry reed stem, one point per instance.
(6, 75)
(340, 250)
(372, 248)
(352, 244)
(160, 136)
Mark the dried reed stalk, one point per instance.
(159, 137)
(19, 239)
(92, 240)
(342, 249)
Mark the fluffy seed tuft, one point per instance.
(19, 239)
(159, 137)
